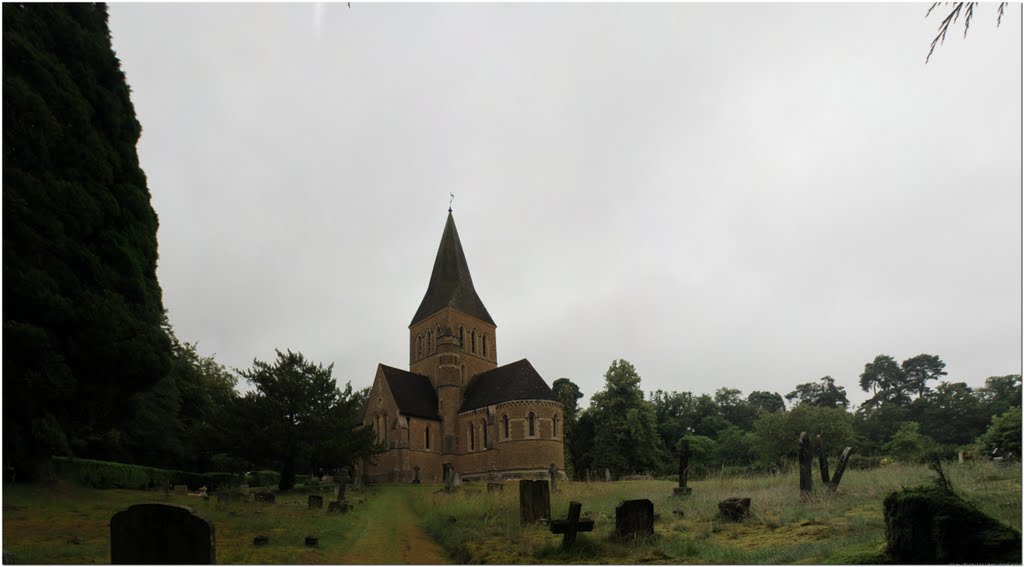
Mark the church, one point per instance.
(455, 405)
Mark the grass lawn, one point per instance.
(64, 523)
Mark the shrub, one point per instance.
(263, 478)
(106, 474)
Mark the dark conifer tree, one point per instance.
(82, 305)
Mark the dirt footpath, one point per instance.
(392, 535)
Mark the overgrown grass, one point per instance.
(848, 527)
(64, 523)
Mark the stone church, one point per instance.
(455, 405)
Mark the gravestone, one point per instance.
(243, 488)
(495, 487)
(607, 475)
(261, 540)
(181, 489)
(634, 518)
(152, 534)
(588, 475)
(822, 460)
(571, 525)
(311, 541)
(315, 501)
(416, 472)
(840, 469)
(684, 468)
(553, 472)
(735, 509)
(336, 507)
(534, 501)
(267, 497)
(806, 481)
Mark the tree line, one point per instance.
(907, 418)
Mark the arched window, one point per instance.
(505, 420)
(532, 429)
(472, 341)
(385, 423)
(472, 438)
(426, 437)
(554, 426)
(376, 426)
(462, 338)
(430, 342)
(485, 346)
(419, 345)
(484, 425)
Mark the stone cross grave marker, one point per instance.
(806, 480)
(571, 525)
(634, 518)
(534, 500)
(822, 459)
(153, 534)
(315, 501)
(553, 472)
(684, 468)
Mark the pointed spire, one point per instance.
(450, 282)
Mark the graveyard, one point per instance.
(61, 523)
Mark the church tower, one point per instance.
(452, 336)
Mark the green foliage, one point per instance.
(262, 478)
(952, 414)
(1003, 434)
(777, 435)
(569, 395)
(625, 437)
(909, 445)
(297, 416)
(82, 309)
(107, 475)
(1000, 393)
(824, 394)
(766, 401)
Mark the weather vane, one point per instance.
(452, 198)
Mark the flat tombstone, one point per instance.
(315, 502)
(155, 534)
(181, 489)
(634, 518)
(534, 500)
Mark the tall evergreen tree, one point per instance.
(625, 434)
(82, 305)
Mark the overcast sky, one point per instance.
(752, 196)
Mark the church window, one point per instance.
(505, 420)
(532, 428)
(484, 425)
(472, 438)
(419, 345)
(430, 342)
(472, 341)
(462, 338)
(554, 426)
(485, 345)
(426, 437)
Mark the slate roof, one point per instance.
(413, 393)
(514, 381)
(450, 282)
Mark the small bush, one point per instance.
(263, 478)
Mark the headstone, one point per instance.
(416, 472)
(181, 489)
(960, 457)
(311, 541)
(495, 487)
(224, 497)
(588, 475)
(805, 467)
(553, 472)
(243, 488)
(607, 475)
(267, 497)
(449, 476)
(634, 518)
(822, 460)
(534, 501)
(840, 468)
(315, 501)
(571, 525)
(735, 509)
(261, 540)
(161, 534)
(337, 507)
(684, 468)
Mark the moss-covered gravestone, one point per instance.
(162, 534)
(930, 524)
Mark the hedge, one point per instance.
(106, 474)
(263, 478)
